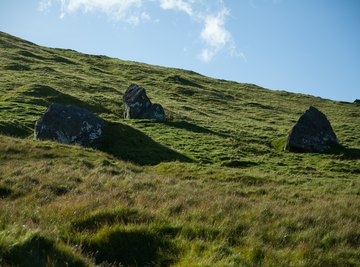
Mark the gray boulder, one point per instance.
(70, 125)
(357, 101)
(139, 106)
(311, 133)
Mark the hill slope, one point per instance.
(205, 188)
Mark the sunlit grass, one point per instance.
(210, 187)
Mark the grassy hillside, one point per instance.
(207, 188)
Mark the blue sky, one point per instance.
(305, 46)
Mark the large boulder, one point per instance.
(139, 106)
(357, 101)
(311, 133)
(70, 125)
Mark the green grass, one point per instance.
(210, 187)
(36, 250)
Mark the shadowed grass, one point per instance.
(36, 250)
(131, 246)
(119, 216)
(130, 144)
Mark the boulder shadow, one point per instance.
(335, 149)
(192, 128)
(346, 153)
(127, 143)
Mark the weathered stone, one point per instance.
(311, 133)
(157, 112)
(139, 106)
(357, 101)
(70, 125)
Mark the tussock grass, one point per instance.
(210, 187)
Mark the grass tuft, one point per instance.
(131, 246)
(37, 250)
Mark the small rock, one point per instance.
(70, 125)
(139, 106)
(311, 133)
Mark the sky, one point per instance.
(303, 46)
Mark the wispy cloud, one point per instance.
(177, 5)
(215, 35)
(211, 14)
(44, 5)
(254, 5)
(121, 10)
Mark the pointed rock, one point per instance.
(357, 101)
(138, 105)
(70, 125)
(311, 133)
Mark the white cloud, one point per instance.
(177, 5)
(44, 5)
(211, 14)
(124, 10)
(107, 6)
(206, 55)
(217, 38)
(214, 33)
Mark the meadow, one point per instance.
(212, 186)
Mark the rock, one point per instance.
(139, 106)
(357, 101)
(311, 133)
(157, 112)
(70, 125)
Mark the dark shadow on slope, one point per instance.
(134, 246)
(5, 192)
(64, 60)
(185, 91)
(130, 144)
(39, 251)
(123, 216)
(123, 237)
(30, 55)
(6, 44)
(180, 80)
(345, 152)
(258, 105)
(239, 164)
(340, 151)
(192, 128)
(335, 149)
(45, 95)
(14, 128)
(17, 67)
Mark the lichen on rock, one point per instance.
(70, 125)
(311, 133)
(138, 105)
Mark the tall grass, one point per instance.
(210, 187)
